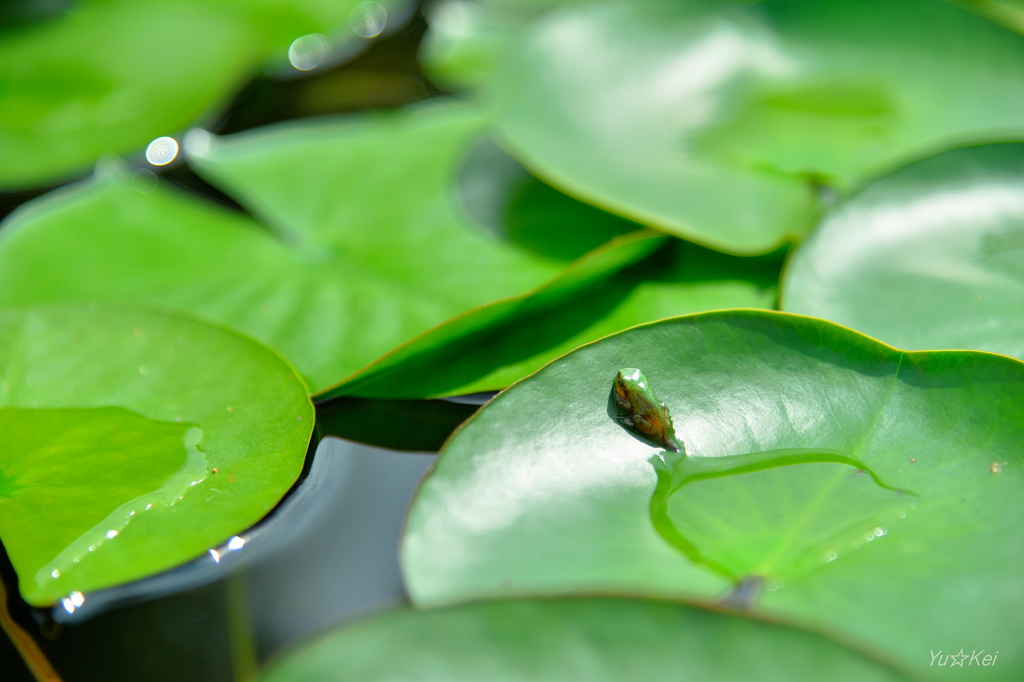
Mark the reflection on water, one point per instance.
(335, 555)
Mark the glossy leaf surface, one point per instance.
(602, 640)
(111, 76)
(361, 248)
(498, 344)
(829, 479)
(931, 256)
(718, 121)
(135, 441)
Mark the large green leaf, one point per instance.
(498, 344)
(598, 640)
(716, 120)
(109, 76)
(134, 441)
(362, 247)
(828, 479)
(931, 256)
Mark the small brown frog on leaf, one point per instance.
(641, 411)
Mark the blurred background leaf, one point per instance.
(358, 245)
(722, 122)
(112, 75)
(500, 343)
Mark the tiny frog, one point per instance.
(642, 411)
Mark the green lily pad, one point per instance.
(718, 121)
(135, 441)
(111, 76)
(828, 480)
(498, 344)
(599, 640)
(361, 247)
(931, 256)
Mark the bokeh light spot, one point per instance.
(144, 180)
(368, 19)
(308, 52)
(162, 151)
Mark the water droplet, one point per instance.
(831, 556)
(235, 543)
(308, 52)
(189, 474)
(368, 19)
(162, 151)
(216, 555)
(77, 598)
(879, 532)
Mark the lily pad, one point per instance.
(828, 480)
(135, 441)
(498, 344)
(360, 247)
(111, 76)
(719, 121)
(599, 640)
(931, 256)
